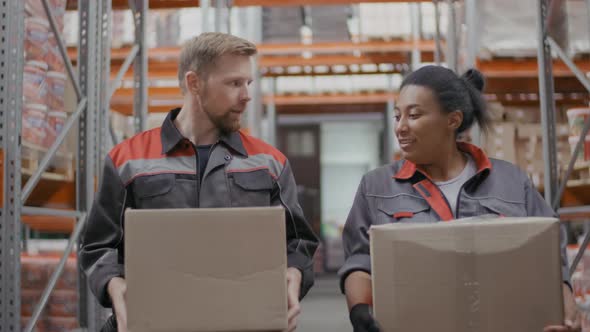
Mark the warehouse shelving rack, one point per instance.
(91, 87)
(96, 63)
(553, 188)
(93, 61)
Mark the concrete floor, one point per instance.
(324, 308)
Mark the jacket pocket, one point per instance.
(502, 208)
(250, 188)
(402, 208)
(154, 191)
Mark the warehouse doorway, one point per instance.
(301, 144)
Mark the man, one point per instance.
(197, 158)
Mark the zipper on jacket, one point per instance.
(459, 199)
(198, 189)
(199, 180)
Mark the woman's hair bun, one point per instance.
(475, 78)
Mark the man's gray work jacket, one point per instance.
(400, 192)
(158, 169)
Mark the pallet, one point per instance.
(580, 174)
(578, 183)
(582, 165)
(61, 167)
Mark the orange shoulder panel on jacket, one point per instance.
(255, 146)
(145, 145)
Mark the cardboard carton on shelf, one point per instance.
(499, 143)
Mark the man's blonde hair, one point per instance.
(200, 53)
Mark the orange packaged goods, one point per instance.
(53, 57)
(56, 85)
(55, 123)
(34, 273)
(63, 303)
(34, 122)
(41, 325)
(28, 300)
(69, 277)
(34, 85)
(36, 33)
(59, 324)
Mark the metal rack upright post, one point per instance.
(554, 189)
(93, 91)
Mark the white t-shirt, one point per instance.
(451, 188)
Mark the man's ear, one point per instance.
(455, 119)
(192, 82)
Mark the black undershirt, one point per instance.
(203, 152)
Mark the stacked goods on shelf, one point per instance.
(501, 142)
(516, 136)
(122, 28)
(34, 8)
(60, 313)
(281, 24)
(53, 56)
(122, 125)
(44, 85)
(576, 118)
(329, 23)
(188, 29)
(505, 28)
(385, 21)
(165, 27)
(580, 281)
(529, 147)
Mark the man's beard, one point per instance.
(224, 122)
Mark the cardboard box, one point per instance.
(529, 150)
(496, 111)
(206, 269)
(500, 141)
(528, 130)
(523, 114)
(470, 275)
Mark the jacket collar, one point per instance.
(482, 162)
(170, 136)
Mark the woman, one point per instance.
(437, 179)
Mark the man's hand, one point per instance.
(117, 289)
(572, 315)
(293, 289)
(362, 320)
